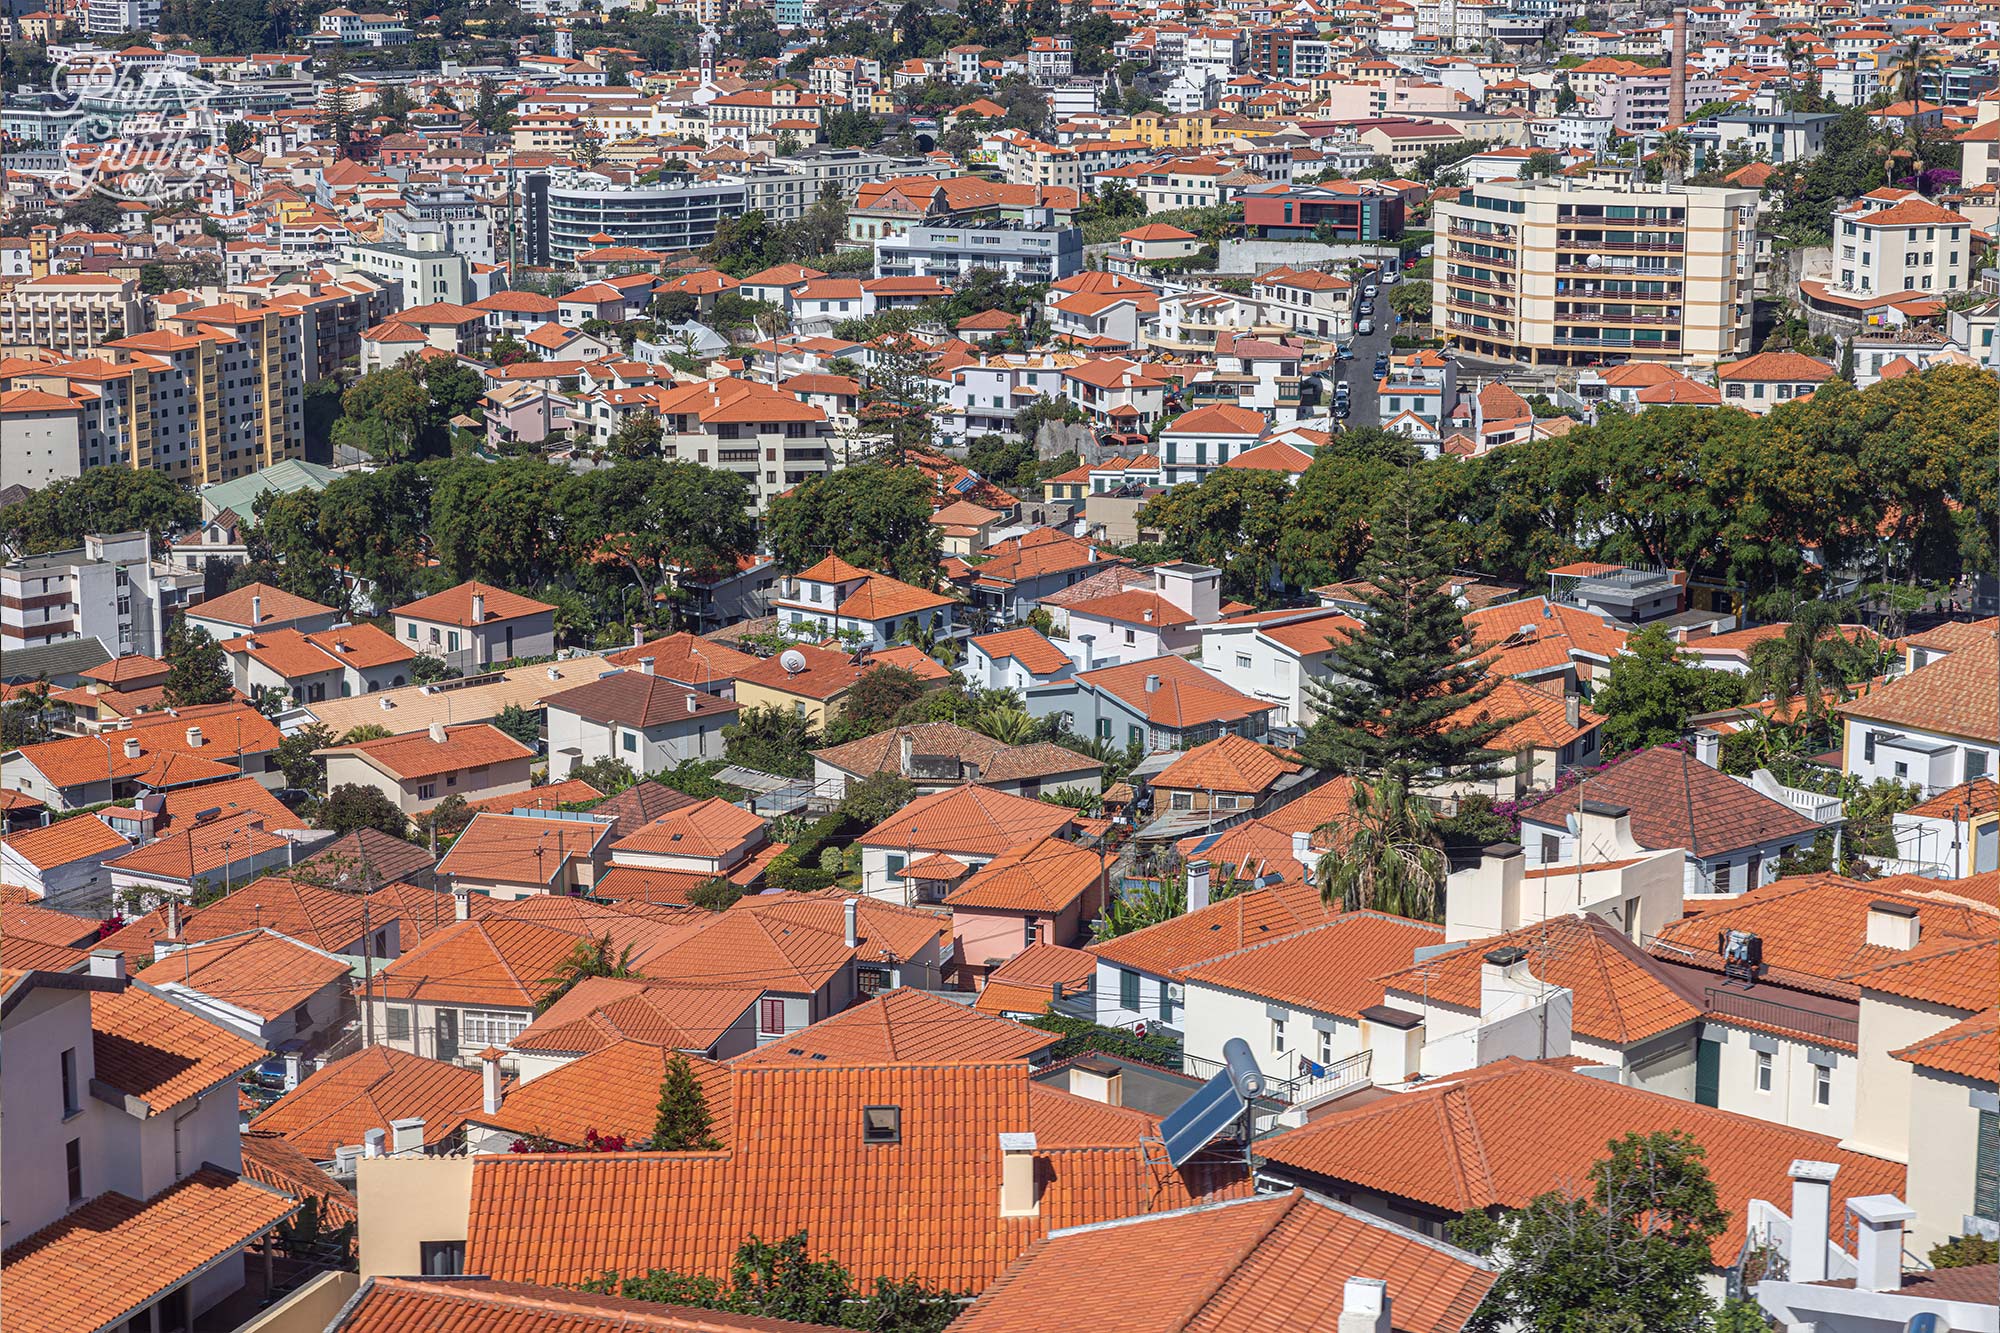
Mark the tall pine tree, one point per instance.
(1400, 707)
(681, 1122)
(197, 669)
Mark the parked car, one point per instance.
(1341, 409)
(1367, 327)
(1344, 352)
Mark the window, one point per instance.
(490, 1027)
(630, 740)
(1128, 990)
(1722, 878)
(398, 1022)
(1182, 800)
(1986, 1169)
(1551, 848)
(1822, 1086)
(1325, 1047)
(770, 1016)
(71, 1105)
(441, 1258)
(1902, 771)
(1243, 661)
(1278, 1034)
(881, 1124)
(1764, 1071)
(73, 1159)
(301, 1018)
(1753, 873)
(427, 791)
(1975, 765)
(1868, 746)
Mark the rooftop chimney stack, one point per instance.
(489, 1080)
(1394, 1039)
(646, 666)
(194, 738)
(693, 702)
(1152, 684)
(1573, 710)
(1812, 1200)
(1364, 1306)
(1677, 80)
(1878, 1245)
(851, 913)
(371, 1143)
(173, 918)
(408, 1135)
(437, 732)
(461, 902)
(1197, 885)
(256, 609)
(107, 963)
(479, 608)
(638, 634)
(131, 747)
(1893, 925)
(1708, 748)
(1018, 1196)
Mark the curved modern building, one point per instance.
(680, 213)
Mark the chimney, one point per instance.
(553, 673)
(645, 666)
(1302, 850)
(1503, 974)
(194, 738)
(461, 902)
(408, 1136)
(1812, 1197)
(1098, 1079)
(908, 748)
(1197, 885)
(256, 610)
(1018, 1197)
(131, 747)
(371, 1143)
(173, 918)
(1677, 80)
(107, 963)
(387, 703)
(851, 913)
(294, 1062)
(1148, 615)
(489, 1080)
(1084, 642)
(1708, 748)
(1573, 710)
(693, 702)
(1394, 1039)
(1092, 556)
(1152, 684)
(479, 608)
(1485, 899)
(1878, 1245)
(1893, 925)
(436, 732)
(638, 634)
(1604, 833)
(1364, 1306)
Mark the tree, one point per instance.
(869, 515)
(386, 415)
(638, 436)
(715, 895)
(871, 800)
(294, 757)
(1652, 691)
(772, 740)
(873, 702)
(1675, 154)
(1635, 1251)
(1814, 657)
(1386, 853)
(607, 774)
(102, 499)
(523, 724)
(351, 806)
(1232, 519)
(367, 731)
(1398, 703)
(589, 958)
(1411, 300)
(1333, 511)
(197, 668)
(681, 1122)
(1148, 905)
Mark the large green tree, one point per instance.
(197, 668)
(1328, 519)
(871, 515)
(681, 1121)
(1652, 691)
(1398, 702)
(1632, 1253)
(101, 499)
(1232, 519)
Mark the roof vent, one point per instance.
(1152, 684)
(194, 738)
(437, 732)
(387, 703)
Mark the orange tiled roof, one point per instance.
(480, 1305)
(707, 831)
(1026, 983)
(1173, 948)
(603, 1011)
(335, 1106)
(1269, 1262)
(415, 755)
(1228, 764)
(793, 942)
(1187, 696)
(1488, 1139)
(1958, 695)
(551, 796)
(269, 1160)
(904, 1026)
(1044, 880)
(131, 1252)
(522, 849)
(453, 606)
(875, 1208)
(150, 1048)
(976, 820)
(1620, 994)
(1967, 800)
(275, 606)
(1678, 801)
(1814, 930)
(1955, 974)
(615, 1090)
(1969, 1048)
(1540, 717)
(1026, 646)
(1331, 968)
(260, 972)
(685, 658)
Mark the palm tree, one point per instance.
(1009, 726)
(1917, 60)
(1676, 154)
(590, 958)
(1386, 854)
(1149, 905)
(1815, 656)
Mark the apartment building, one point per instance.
(424, 267)
(109, 589)
(70, 313)
(769, 438)
(1565, 272)
(1893, 241)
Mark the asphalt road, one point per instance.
(1359, 372)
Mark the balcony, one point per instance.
(1778, 1014)
(1506, 238)
(1480, 330)
(1600, 317)
(1483, 284)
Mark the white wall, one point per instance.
(1941, 1157)
(1881, 1123)
(1790, 1100)
(1214, 1015)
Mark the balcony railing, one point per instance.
(1778, 1014)
(1490, 237)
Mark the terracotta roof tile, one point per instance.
(1487, 1139)
(615, 1091)
(1953, 973)
(1187, 695)
(415, 755)
(270, 1160)
(1026, 646)
(150, 1048)
(479, 1305)
(685, 658)
(551, 796)
(274, 605)
(1329, 969)
(1176, 947)
(523, 849)
(258, 971)
(904, 1026)
(1044, 880)
(1228, 764)
(1958, 695)
(333, 1107)
(1666, 789)
(453, 606)
(976, 820)
(1969, 1048)
(133, 1252)
(708, 831)
(636, 699)
(602, 1011)
(1966, 801)
(1266, 1263)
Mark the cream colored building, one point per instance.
(71, 313)
(1911, 245)
(1561, 272)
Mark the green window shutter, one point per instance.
(1986, 1172)
(1128, 991)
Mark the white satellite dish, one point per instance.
(793, 661)
(1594, 261)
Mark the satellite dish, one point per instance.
(1595, 261)
(793, 661)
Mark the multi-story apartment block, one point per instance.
(769, 438)
(70, 313)
(110, 589)
(1037, 249)
(1564, 273)
(678, 214)
(424, 267)
(1894, 241)
(458, 220)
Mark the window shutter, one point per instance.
(1986, 1173)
